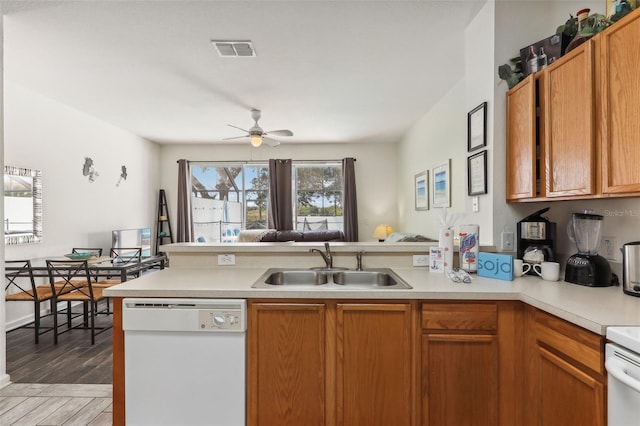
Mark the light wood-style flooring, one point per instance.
(64, 384)
(32, 404)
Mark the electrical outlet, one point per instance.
(506, 241)
(608, 248)
(420, 260)
(226, 259)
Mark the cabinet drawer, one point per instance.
(574, 342)
(460, 316)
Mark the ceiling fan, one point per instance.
(257, 135)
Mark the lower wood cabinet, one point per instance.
(470, 360)
(331, 363)
(566, 380)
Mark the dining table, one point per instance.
(100, 266)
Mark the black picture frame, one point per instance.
(477, 128)
(477, 173)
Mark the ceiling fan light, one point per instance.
(256, 140)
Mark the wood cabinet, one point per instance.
(566, 381)
(331, 363)
(470, 362)
(567, 105)
(522, 172)
(287, 364)
(551, 148)
(619, 103)
(585, 131)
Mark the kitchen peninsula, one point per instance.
(441, 352)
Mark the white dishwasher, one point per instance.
(623, 368)
(184, 361)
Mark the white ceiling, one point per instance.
(331, 71)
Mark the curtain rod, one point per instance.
(261, 162)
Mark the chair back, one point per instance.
(124, 255)
(13, 284)
(96, 251)
(69, 276)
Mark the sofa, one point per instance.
(273, 236)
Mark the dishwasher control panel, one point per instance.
(216, 319)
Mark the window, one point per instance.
(226, 198)
(318, 196)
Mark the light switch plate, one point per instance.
(608, 248)
(226, 259)
(420, 260)
(506, 241)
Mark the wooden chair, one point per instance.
(17, 289)
(77, 286)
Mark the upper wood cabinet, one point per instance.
(567, 106)
(619, 103)
(521, 140)
(585, 132)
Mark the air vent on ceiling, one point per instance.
(228, 48)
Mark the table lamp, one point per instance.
(382, 232)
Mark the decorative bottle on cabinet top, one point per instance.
(579, 38)
(532, 61)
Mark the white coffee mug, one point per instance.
(549, 271)
(520, 268)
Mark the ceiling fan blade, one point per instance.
(279, 132)
(239, 128)
(235, 137)
(270, 142)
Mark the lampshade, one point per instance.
(382, 232)
(256, 140)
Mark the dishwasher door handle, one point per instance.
(616, 368)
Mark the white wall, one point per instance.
(40, 133)
(375, 167)
(441, 134)
(4, 378)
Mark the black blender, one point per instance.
(587, 267)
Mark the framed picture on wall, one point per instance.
(441, 188)
(422, 190)
(477, 173)
(477, 127)
(617, 6)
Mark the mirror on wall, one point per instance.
(22, 205)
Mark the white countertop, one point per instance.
(591, 308)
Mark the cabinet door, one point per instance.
(521, 140)
(286, 364)
(619, 87)
(568, 395)
(373, 364)
(459, 379)
(569, 142)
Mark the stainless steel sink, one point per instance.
(367, 278)
(383, 278)
(297, 277)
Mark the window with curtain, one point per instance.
(318, 196)
(229, 197)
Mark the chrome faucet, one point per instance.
(359, 260)
(326, 255)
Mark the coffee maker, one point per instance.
(536, 239)
(587, 267)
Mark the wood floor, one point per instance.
(64, 384)
(47, 404)
(72, 360)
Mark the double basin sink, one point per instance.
(380, 278)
